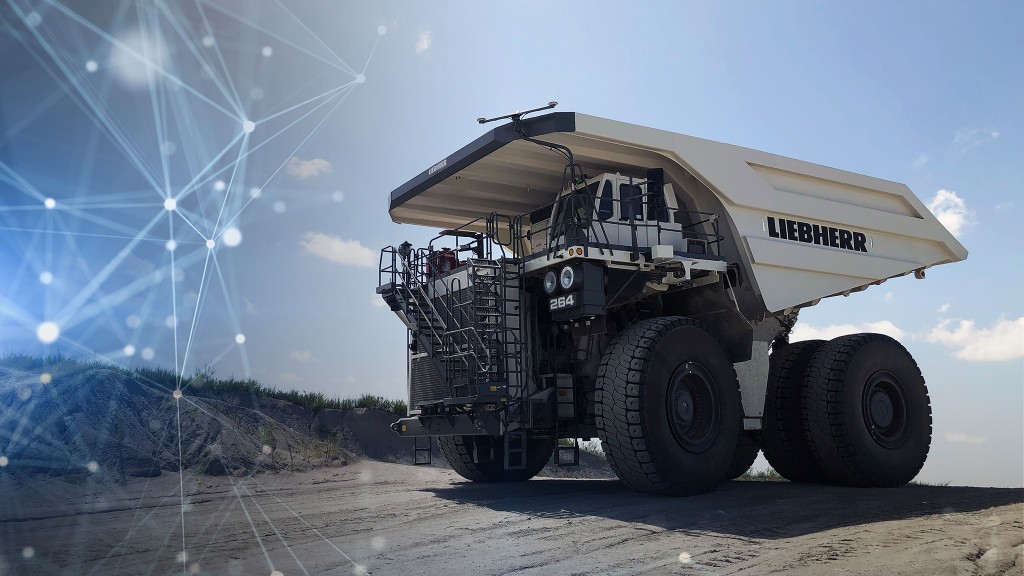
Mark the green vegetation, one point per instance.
(203, 383)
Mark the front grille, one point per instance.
(426, 384)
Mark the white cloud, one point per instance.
(377, 301)
(304, 356)
(303, 169)
(952, 211)
(967, 138)
(1004, 340)
(944, 308)
(347, 252)
(920, 161)
(804, 331)
(961, 438)
(423, 42)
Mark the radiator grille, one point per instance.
(426, 384)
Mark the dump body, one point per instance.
(799, 231)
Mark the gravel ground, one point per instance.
(379, 518)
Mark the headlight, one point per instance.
(550, 282)
(567, 277)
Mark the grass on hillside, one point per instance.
(766, 475)
(201, 383)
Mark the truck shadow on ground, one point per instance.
(763, 510)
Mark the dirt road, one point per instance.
(379, 518)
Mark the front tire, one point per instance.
(668, 407)
(868, 416)
(489, 463)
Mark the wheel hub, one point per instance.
(693, 407)
(886, 409)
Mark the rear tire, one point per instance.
(668, 407)
(868, 416)
(490, 467)
(783, 441)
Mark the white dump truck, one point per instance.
(594, 278)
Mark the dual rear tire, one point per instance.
(854, 411)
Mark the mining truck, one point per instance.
(597, 279)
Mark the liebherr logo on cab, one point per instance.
(815, 234)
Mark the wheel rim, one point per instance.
(886, 410)
(693, 407)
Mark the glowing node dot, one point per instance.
(219, 185)
(91, 66)
(240, 338)
(93, 467)
(171, 245)
(382, 29)
(232, 237)
(50, 203)
(133, 321)
(360, 78)
(3, 461)
(267, 51)
(210, 244)
(267, 449)
(378, 542)
(48, 332)
(276, 573)
(176, 394)
(255, 192)
(28, 552)
(45, 378)
(338, 196)
(360, 570)
(148, 353)
(194, 568)
(33, 19)
(279, 207)
(46, 278)
(170, 204)
(208, 41)
(684, 557)
(182, 557)
(129, 350)
(248, 126)
(171, 321)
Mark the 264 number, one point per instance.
(566, 301)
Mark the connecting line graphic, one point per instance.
(96, 244)
(358, 567)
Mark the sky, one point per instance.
(205, 185)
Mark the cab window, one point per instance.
(605, 207)
(632, 202)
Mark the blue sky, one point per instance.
(349, 101)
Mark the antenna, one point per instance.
(517, 115)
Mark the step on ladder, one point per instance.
(515, 449)
(422, 446)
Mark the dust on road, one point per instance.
(378, 518)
